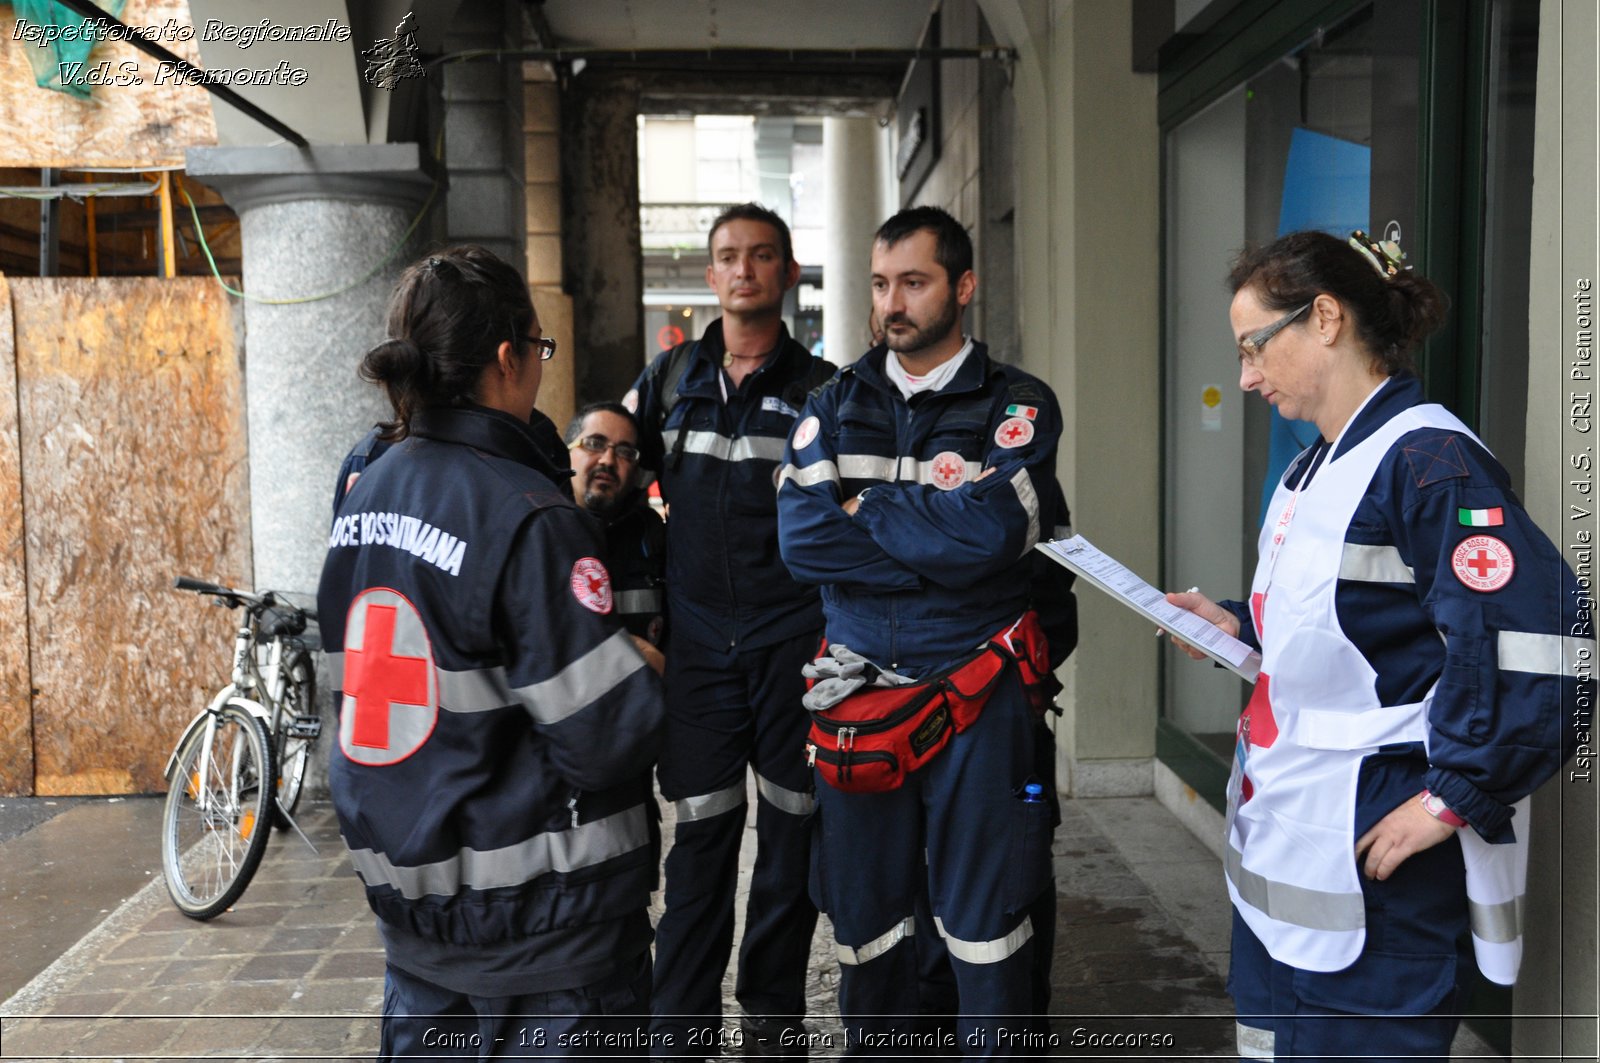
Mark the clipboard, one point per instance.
(1095, 566)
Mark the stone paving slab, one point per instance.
(295, 969)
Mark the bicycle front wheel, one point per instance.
(218, 813)
(293, 750)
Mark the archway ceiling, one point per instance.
(657, 24)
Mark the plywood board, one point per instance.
(133, 452)
(16, 710)
(145, 124)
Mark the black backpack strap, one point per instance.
(671, 376)
(818, 373)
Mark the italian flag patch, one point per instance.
(1481, 518)
(1030, 412)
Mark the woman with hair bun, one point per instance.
(496, 722)
(1415, 629)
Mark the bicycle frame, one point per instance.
(248, 675)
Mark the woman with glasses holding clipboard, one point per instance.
(1416, 631)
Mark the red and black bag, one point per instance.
(870, 741)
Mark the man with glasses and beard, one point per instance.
(603, 441)
(914, 488)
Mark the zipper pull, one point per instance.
(811, 754)
(572, 806)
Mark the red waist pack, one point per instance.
(870, 741)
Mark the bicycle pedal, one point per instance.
(306, 727)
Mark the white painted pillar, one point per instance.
(851, 161)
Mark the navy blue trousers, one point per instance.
(960, 832)
(1400, 1000)
(605, 1020)
(726, 712)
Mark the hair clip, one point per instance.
(1385, 255)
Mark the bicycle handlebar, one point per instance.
(189, 583)
(236, 598)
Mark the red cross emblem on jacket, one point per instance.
(390, 690)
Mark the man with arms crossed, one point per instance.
(914, 491)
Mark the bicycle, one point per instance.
(261, 726)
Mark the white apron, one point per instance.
(1313, 717)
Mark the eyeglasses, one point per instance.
(545, 346)
(599, 444)
(1250, 346)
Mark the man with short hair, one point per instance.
(713, 415)
(914, 488)
(603, 441)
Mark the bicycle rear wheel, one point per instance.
(214, 827)
(292, 749)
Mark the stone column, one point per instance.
(312, 222)
(850, 159)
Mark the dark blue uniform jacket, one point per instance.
(717, 462)
(935, 560)
(496, 721)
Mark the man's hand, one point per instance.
(850, 505)
(1205, 609)
(1407, 830)
(651, 655)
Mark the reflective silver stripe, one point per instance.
(1498, 924)
(877, 946)
(1524, 651)
(1374, 564)
(1255, 1043)
(986, 951)
(582, 682)
(645, 601)
(476, 690)
(791, 801)
(811, 475)
(866, 467)
(1023, 485)
(704, 806)
(469, 690)
(759, 448)
(556, 851)
(1299, 905)
(724, 448)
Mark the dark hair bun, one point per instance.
(395, 362)
(1417, 306)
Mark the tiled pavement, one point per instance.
(294, 971)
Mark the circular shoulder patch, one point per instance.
(591, 584)
(1483, 563)
(948, 471)
(631, 400)
(805, 432)
(1014, 432)
(390, 687)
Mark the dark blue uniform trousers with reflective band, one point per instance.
(988, 860)
(726, 711)
(423, 1021)
(1399, 1000)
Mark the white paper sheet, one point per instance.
(1123, 584)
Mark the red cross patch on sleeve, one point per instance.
(591, 584)
(391, 692)
(1014, 432)
(1483, 563)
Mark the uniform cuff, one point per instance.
(1490, 818)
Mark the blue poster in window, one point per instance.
(1327, 185)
